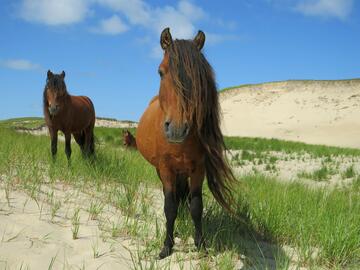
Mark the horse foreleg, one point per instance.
(170, 208)
(54, 138)
(196, 207)
(68, 145)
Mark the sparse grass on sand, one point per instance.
(262, 145)
(322, 226)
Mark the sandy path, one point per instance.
(315, 112)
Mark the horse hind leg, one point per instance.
(89, 141)
(68, 145)
(92, 144)
(80, 140)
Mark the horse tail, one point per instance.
(220, 178)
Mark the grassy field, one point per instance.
(279, 225)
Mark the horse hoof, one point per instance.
(165, 252)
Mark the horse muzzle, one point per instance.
(53, 110)
(175, 133)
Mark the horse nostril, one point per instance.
(167, 125)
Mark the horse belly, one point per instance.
(146, 134)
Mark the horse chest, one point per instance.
(179, 163)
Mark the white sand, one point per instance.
(31, 238)
(315, 112)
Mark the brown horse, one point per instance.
(179, 134)
(69, 114)
(129, 140)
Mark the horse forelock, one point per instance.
(195, 86)
(56, 83)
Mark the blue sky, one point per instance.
(110, 49)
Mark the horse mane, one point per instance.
(56, 83)
(196, 89)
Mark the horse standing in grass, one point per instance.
(69, 114)
(179, 134)
(129, 140)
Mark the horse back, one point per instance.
(82, 112)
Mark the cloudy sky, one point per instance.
(110, 49)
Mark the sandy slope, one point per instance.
(316, 112)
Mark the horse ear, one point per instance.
(199, 40)
(62, 74)
(165, 38)
(49, 74)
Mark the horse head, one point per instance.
(182, 75)
(55, 92)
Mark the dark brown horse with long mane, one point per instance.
(179, 134)
(70, 114)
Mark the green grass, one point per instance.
(321, 174)
(324, 221)
(111, 136)
(315, 221)
(349, 172)
(24, 122)
(262, 145)
(29, 156)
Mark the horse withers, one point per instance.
(179, 133)
(70, 114)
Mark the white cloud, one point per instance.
(212, 38)
(54, 12)
(190, 10)
(136, 11)
(111, 26)
(20, 64)
(179, 18)
(325, 8)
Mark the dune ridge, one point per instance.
(310, 111)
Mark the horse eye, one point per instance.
(161, 73)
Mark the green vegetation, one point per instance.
(24, 122)
(349, 172)
(30, 157)
(322, 225)
(262, 145)
(111, 136)
(309, 219)
(320, 174)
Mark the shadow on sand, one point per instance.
(226, 232)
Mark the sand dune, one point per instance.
(316, 112)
